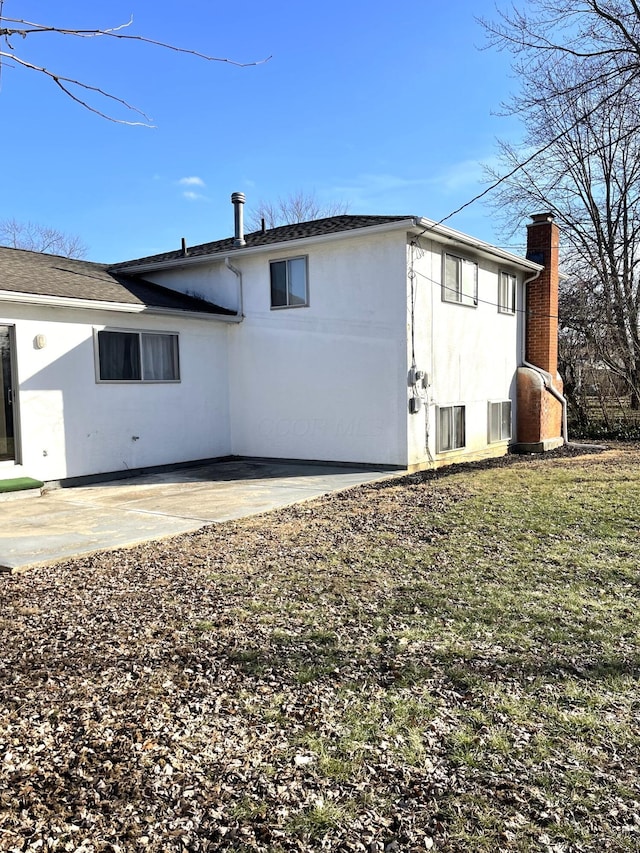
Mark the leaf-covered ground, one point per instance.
(447, 661)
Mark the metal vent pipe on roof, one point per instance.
(237, 200)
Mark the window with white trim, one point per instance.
(289, 283)
(450, 428)
(460, 280)
(506, 293)
(126, 356)
(499, 421)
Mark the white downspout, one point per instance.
(546, 377)
(238, 275)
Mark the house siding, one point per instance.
(470, 354)
(326, 381)
(71, 425)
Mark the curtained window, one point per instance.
(460, 282)
(450, 428)
(138, 357)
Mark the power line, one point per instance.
(478, 301)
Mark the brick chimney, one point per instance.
(542, 294)
(540, 412)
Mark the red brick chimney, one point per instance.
(542, 294)
(540, 411)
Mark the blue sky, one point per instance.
(389, 108)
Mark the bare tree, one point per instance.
(15, 30)
(603, 34)
(607, 29)
(40, 238)
(587, 170)
(297, 207)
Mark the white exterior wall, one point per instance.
(212, 282)
(70, 425)
(469, 353)
(327, 381)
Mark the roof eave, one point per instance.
(101, 305)
(441, 233)
(194, 260)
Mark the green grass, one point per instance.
(451, 658)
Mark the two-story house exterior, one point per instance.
(381, 340)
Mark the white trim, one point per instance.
(283, 245)
(417, 226)
(437, 232)
(99, 305)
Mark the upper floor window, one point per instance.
(137, 356)
(460, 281)
(506, 293)
(289, 283)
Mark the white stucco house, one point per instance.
(376, 340)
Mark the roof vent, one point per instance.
(237, 200)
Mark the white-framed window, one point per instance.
(289, 287)
(499, 421)
(506, 293)
(460, 280)
(132, 356)
(450, 433)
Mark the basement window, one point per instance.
(460, 281)
(450, 428)
(289, 283)
(499, 421)
(137, 356)
(506, 293)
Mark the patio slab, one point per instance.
(69, 522)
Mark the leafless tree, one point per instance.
(297, 207)
(13, 31)
(603, 34)
(587, 170)
(40, 238)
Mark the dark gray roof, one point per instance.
(50, 275)
(281, 234)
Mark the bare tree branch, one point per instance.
(62, 82)
(40, 238)
(299, 206)
(24, 29)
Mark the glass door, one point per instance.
(7, 429)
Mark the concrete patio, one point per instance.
(73, 521)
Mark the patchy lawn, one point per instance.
(449, 661)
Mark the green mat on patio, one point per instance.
(20, 484)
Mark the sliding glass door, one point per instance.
(7, 421)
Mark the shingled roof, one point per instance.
(281, 234)
(49, 275)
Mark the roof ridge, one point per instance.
(280, 233)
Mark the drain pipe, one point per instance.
(546, 377)
(238, 275)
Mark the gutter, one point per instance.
(238, 275)
(282, 245)
(442, 232)
(416, 224)
(545, 376)
(122, 307)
